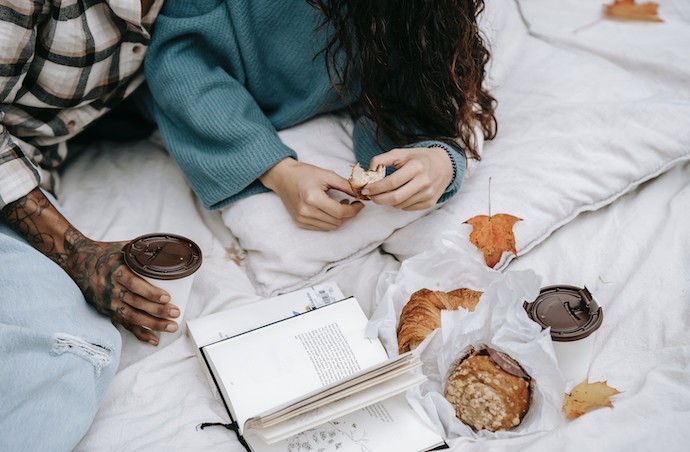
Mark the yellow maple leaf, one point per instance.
(586, 397)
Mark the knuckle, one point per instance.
(129, 315)
(417, 165)
(126, 278)
(426, 181)
(160, 310)
(310, 198)
(302, 212)
(158, 325)
(396, 198)
(149, 293)
(428, 203)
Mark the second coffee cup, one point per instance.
(573, 315)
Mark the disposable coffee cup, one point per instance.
(167, 261)
(573, 315)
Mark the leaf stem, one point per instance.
(489, 197)
(587, 25)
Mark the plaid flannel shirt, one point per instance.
(62, 65)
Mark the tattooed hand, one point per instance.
(98, 268)
(113, 289)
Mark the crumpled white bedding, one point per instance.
(632, 254)
(656, 52)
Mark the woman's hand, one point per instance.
(421, 177)
(98, 268)
(302, 188)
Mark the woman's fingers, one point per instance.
(388, 185)
(422, 176)
(316, 225)
(303, 190)
(321, 212)
(337, 182)
(341, 210)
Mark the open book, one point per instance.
(317, 372)
(212, 328)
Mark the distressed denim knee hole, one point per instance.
(96, 354)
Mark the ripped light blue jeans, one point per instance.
(57, 354)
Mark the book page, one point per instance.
(221, 325)
(270, 366)
(379, 373)
(211, 328)
(387, 425)
(341, 407)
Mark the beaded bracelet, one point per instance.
(450, 155)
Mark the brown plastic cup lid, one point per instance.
(571, 312)
(162, 256)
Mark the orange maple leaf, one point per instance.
(629, 10)
(586, 397)
(493, 235)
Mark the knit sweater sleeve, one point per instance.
(366, 147)
(209, 122)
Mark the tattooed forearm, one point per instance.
(25, 216)
(90, 264)
(98, 268)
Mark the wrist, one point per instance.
(272, 178)
(36, 219)
(451, 165)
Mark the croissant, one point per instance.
(489, 390)
(422, 313)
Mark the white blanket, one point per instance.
(633, 257)
(631, 252)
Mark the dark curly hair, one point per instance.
(419, 67)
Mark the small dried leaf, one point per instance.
(629, 10)
(587, 397)
(235, 254)
(493, 235)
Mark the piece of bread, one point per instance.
(422, 313)
(359, 178)
(489, 390)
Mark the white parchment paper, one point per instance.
(453, 264)
(498, 321)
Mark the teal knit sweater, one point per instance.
(226, 75)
